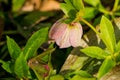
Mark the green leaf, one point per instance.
(79, 63)
(117, 49)
(35, 41)
(107, 34)
(17, 4)
(13, 48)
(90, 10)
(21, 68)
(83, 74)
(77, 77)
(68, 10)
(117, 57)
(57, 77)
(93, 2)
(29, 19)
(78, 4)
(117, 52)
(74, 62)
(106, 66)
(73, 8)
(95, 52)
(69, 2)
(6, 66)
(97, 4)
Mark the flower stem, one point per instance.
(115, 5)
(92, 27)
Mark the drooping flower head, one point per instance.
(66, 35)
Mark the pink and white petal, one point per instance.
(75, 35)
(63, 41)
(57, 30)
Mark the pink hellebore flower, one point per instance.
(66, 35)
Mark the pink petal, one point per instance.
(57, 30)
(63, 41)
(75, 34)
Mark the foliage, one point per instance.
(28, 53)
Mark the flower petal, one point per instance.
(57, 30)
(63, 41)
(75, 34)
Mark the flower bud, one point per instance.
(40, 68)
(66, 35)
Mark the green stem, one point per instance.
(92, 27)
(38, 75)
(117, 14)
(10, 32)
(115, 5)
(105, 11)
(49, 51)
